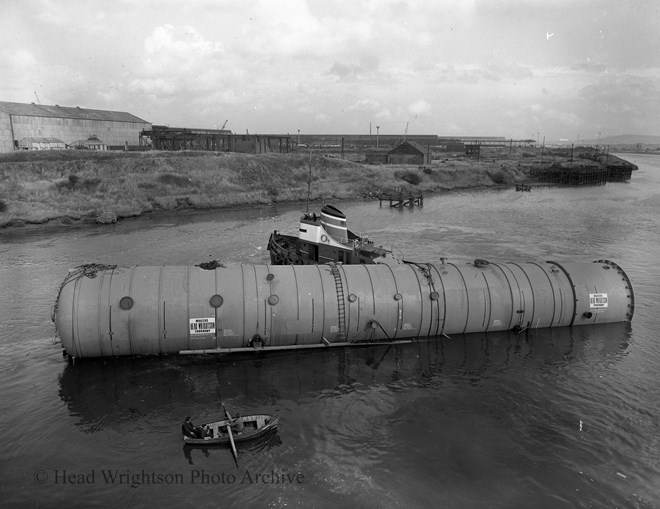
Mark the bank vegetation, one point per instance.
(69, 187)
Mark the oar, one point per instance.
(231, 436)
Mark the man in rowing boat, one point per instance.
(237, 424)
(190, 430)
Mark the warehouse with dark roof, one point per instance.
(38, 126)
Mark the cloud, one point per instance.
(420, 107)
(481, 73)
(156, 87)
(178, 50)
(588, 65)
(632, 102)
(481, 66)
(368, 105)
(345, 71)
(322, 118)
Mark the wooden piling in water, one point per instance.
(400, 200)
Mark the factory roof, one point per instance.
(42, 110)
(417, 146)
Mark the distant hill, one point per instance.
(624, 139)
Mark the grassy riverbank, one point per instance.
(68, 187)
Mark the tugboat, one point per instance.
(325, 238)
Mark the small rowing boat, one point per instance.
(214, 433)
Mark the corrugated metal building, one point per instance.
(115, 129)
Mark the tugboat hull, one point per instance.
(325, 238)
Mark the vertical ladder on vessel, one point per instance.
(341, 306)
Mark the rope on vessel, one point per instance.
(88, 270)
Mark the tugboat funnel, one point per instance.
(333, 221)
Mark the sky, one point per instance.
(522, 69)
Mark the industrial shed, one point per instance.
(409, 152)
(115, 129)
(216, 140)
(376, 155)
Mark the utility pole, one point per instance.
(542, 148)
(377, 132)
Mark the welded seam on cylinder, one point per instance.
(431, 286)
(268, 324)
(161, 319)
(373, 291)
(74, 316)
(358, 302)
(244, 330)
(373, 299)
(467, 299)
(109, 317)
(347, 308)
(554, 295)
(320, 274)
(128, 319)
(268, 312)
(414, 268)
(295, 280)
(523, 302)
(187, 290)
(110, 333)
(99, 333)
(257, 311)
(216, 310)
(572, 286)
(438, 330)
(486, 322)
(533, 297)
(426, 274)
(508, 282)
(531, 291)
(399, 306)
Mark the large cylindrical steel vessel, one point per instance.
(113, 311)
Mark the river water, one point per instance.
(557, 418)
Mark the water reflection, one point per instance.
(113, 394)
